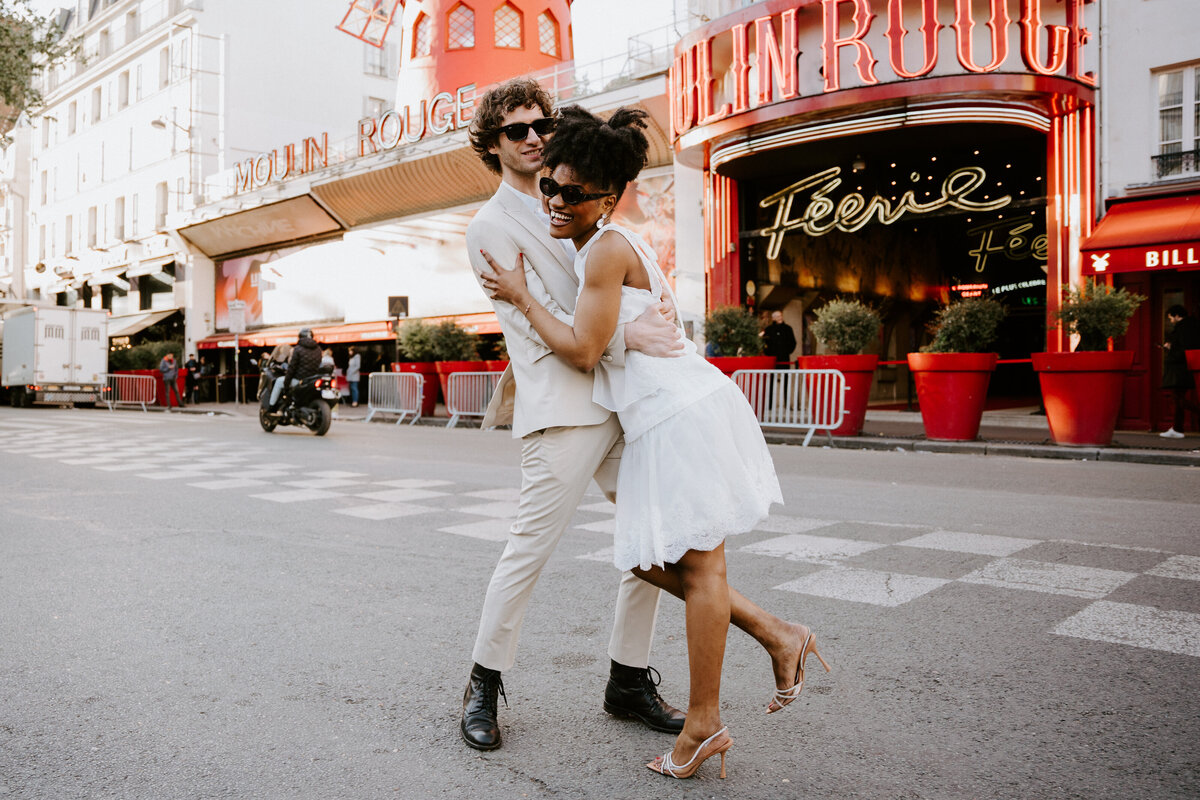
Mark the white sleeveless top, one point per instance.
(648, 390)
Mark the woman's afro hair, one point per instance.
(605, 154)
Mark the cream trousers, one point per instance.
(556, 465)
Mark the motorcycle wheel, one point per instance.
(324, 417)
(265, 419)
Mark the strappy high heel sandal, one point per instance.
(783, 697)
(719, 742)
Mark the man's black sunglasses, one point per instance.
(572, 195)
(519, 131)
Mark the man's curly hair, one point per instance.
(605, 154)
(494, 105)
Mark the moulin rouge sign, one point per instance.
(779, 64)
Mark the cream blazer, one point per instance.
(538, 389)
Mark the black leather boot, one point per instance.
(479, 726)
(633, 692)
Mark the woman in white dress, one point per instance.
(695, 467)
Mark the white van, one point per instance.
(53, 354)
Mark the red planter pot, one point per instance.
(447, 368)
(731, 364)
(859, 372)
(429, 391)
(496, 366)
(1082, 394)
(951, 389)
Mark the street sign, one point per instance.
(398, 307)
(237, 316)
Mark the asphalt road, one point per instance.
(191, 608)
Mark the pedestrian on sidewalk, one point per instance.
(352, 375)
(1183, 336)
(170, 376)
(779, 340)
(192, 379)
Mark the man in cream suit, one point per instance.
(566, 438)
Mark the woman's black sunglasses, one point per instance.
(572, 195)
(519, 131)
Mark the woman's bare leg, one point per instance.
(705, 590)
(781, 639)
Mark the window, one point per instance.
(69, 234)
(133, 216)
(131, 26)
(137, 83)
(119, 219)
(374, 107)
(422, 36)
(45, 183)
(123, 89)
(164, 67)
(41, 243)
(45, 133)
(91, 232)
(72, 117)
(160, 205)
(377, 60)
(179, 194)
(460, 28)
(548, 34)
(105, 44)
(96, 104)
(1178, 122)
(507, 25)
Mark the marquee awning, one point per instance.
(1150, 234)
(130, 324)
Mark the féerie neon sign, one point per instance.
(854, 211)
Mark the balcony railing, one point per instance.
(1185, 162)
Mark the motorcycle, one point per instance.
(310, 403)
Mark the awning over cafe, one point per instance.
(1150, 234)
(380, 330)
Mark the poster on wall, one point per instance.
(648, 208)
(241, 279)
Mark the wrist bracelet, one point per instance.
(528, 306)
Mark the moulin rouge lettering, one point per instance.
(775, 60)
(853, 211)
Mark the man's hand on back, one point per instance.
(654, 333)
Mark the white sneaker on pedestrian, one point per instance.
(1171, 433)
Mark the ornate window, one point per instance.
(460, 28)
(422, 36)
(1178, 121)
(507, 24)
(548, 34)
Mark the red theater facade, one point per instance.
(905, 152)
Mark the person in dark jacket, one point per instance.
(305, 361)
(1184, 336)
(779, 340)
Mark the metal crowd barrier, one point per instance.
(469, 394)
(395, 393)
(130, 390)
(812, 399)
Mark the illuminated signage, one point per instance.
(853, 211)
(970, 289)
(1009, 237)
(1130, 259)
(777, 60)
(445, 112)
(264, 168)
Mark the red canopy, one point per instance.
(1155, 233)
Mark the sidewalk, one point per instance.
(1018, 432)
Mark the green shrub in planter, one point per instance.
(453, 343)
(733, 331)
(1097, 313)
(968, 326)
(846, 327)
(415, 341)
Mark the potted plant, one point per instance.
(1082, 390)
(414, 343)
(845, 328)
(455, 349)
(952, 372)
(733, 340)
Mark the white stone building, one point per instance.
(169, 93)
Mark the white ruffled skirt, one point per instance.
(693, 479)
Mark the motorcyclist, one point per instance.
(305, 361)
